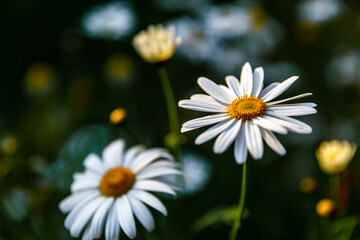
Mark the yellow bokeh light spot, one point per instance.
(325, 207)
(117, 116)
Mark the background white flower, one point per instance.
(114, 188)
(196, 171)
(246, 113)
(319, 11)
(111, 21)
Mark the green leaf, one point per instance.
(342, 229)
(218, 215)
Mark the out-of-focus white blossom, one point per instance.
(113, 21)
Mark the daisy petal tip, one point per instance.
(202, 79)
(182, 130)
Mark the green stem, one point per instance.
(171, 108)
(334, 185)
(239, 213)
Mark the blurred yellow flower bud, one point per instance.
(335, 156)
(117, 116)
(308, 185)
(325, 207)
(157, 43)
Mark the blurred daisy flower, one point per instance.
(319, 11)
(196, 172)
(335, 156)
(245, 113)
(157, 43)
(112, 21)
(196, 45)
(115, 187)
(227, 20)
(343, 68)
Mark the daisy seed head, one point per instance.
(246, 108)
(116, 182)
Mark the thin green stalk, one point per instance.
(334, 188)
(239, 213)
(171, 108)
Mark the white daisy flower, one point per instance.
(319, 11)
(196, 171)
(196, 44)
(245, 113)
(113, 21)
(113, 188)
(227, 20)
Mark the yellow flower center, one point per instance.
(116, 182)
(246, 108)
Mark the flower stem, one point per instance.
(334, 188)
(239, 213)
(171, 108)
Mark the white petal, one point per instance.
(294, 125)
(131, 154)
(156, 172)
(246, 82)
(202, 97)
(84, 216)
(234, 84)
(154, 186)
(207, 99)
(268, 89)
(273, 142)
(253, 140)
(279, 89)
(147, 157)
(228, 91)
(240, 149)
(304, 104)
(84, 184)
(73, 200)
(125, 216)
(113, 153)
(288, 99)
(161, 163)
(204, 121)
(142, 213)
(258, 81)
(213, 131)
(99, 217)
(202, 106)
(267, 123)
(71, 218)
(112, 226)
(290, 111)
(226, 138)
(149, 199)
(87, 175)
(87, 234)
(93, 163)
(214, 90)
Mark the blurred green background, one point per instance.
(59, 84)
